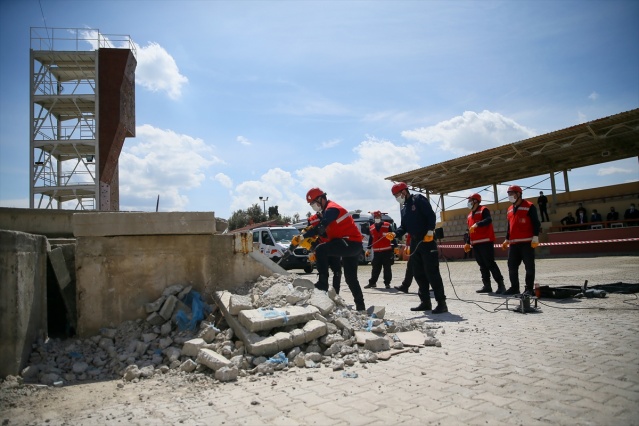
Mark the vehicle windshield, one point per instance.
(284, 235)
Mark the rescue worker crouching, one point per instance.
(343, 239)
(334, 263)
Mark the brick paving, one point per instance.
(576, 362)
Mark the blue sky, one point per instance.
(241, 99)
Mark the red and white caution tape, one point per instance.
(561, 243)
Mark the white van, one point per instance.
(274, 241)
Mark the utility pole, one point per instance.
(264, 200)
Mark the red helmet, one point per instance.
(377, 213)
(475, 197)
(398, 187)
(514, 188)
(313, 194)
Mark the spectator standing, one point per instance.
(595, 216)
(522, 237)
(482, 239)
(568, 220)
(631, 213)
(418, 219)
(612, 216)
(343, 239)
(542, 202)
(383, 251)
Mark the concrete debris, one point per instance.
(275, 324)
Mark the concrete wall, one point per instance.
(117, 274)
(23, 302)
(52, 223)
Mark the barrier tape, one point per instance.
(562, 243)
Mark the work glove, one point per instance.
(407, 251)
(396, 251)
(504, 245)
(428, 237)
(472, 228)
(312, 258)
(297, 240)
(368, 253)
(466, 247)
(390, 236)
(535, 242)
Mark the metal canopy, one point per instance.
(607, 139)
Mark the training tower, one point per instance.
(82, 102)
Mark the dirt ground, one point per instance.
(303, 396)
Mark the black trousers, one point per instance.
(518, 253)
(382, 259)
(335, 264)
(408, 276)
(485, 258)
(544, 212)
(425, 259)
(349, 252)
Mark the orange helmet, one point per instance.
(514, 188)
(377, 213)
(313, 194)
(398, 187)
(475, 197)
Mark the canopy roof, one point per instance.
(607, 139)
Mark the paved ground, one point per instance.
(576, 362)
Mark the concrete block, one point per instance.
(343, 324)
(227, 374)
(298, 337)
(108, 224)
(239, 303)
(23, 297)
(154, 306)
(376, 311)
(193, 346)
(168, 307)
(266, 319)
(212, 359)
(314, 330)
(155, 319)
(377, 344)
(321, 301)
(361, 336)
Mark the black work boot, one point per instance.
(371, 286)
(511, 291)
(485, 289)
(360, 307)
(501, 288)
(441, 308)
(424, 306)
(401, 288)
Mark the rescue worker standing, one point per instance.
(382, 251)
(343, 239)
(522, 236)
(418, 220)
(482, 238)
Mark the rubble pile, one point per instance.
(277, 323)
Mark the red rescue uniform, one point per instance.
(520, 227)
(342, 227)
(482, 234)
(380, 242)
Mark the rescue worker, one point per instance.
(383, 251)
(418, 220)
(343, 239)
(522, 236)
(334, 263)
(482, 239)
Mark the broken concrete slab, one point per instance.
(168, 307)
(412, 338)
(239, 303)
(212, 359)
(321, 301)
(267, 319)
(361, 336)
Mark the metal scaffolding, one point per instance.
(64, 136)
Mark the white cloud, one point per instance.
(593, 96)
(161, 162)
(224, 180)
(329, 144)
(471, 132)
(581, 117)
(605, 171)
(156, 69)
(244, 141)
(158, 72)
(20, 203)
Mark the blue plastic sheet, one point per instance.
(273, 313)
(199, 310)
(278, 358)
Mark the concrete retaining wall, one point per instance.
(23, 297)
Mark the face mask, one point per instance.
(378, 221)
(316, 207)
(400, 199)
(470, 205)
(512, 199)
